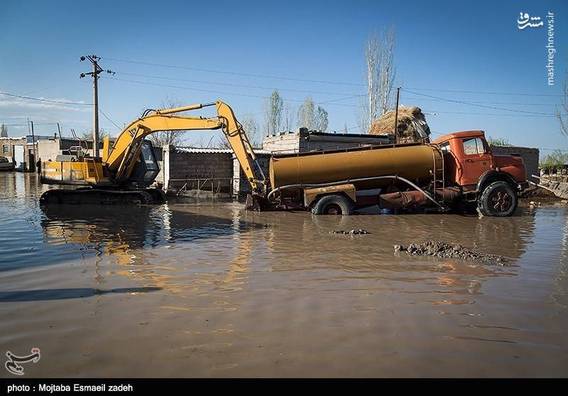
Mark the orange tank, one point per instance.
(416, 162)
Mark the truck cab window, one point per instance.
(446, 148)
(473, 146)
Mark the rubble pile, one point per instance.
(557, 183)
(411, 124)
(448, 250)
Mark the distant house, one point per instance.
(303, 140)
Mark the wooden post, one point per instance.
(396, 116)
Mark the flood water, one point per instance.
(211, 290)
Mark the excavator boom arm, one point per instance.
(126, 149)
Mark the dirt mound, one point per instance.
(447, 250)
(411, 124)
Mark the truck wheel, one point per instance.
(498, 199)
(333, 205)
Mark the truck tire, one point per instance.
(498, 199)
(333, 205)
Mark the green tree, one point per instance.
(555, 159)
(273, 113)
(498, 141)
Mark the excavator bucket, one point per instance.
(257, 203)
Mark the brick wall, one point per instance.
(529, 155)
(198, 171)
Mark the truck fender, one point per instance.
(311, 195)
(494, 175)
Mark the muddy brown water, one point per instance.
(211, 290)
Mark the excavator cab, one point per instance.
(146, 168)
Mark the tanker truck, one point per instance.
(457, 170)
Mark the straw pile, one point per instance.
(412, 125)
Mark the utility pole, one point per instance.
(396, 116)
(31, 167)
(95, 74)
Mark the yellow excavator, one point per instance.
(128, 168)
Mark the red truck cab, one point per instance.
(492, 180)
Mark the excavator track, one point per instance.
(86, 196)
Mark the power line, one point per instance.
(436, 112)
(503, 103)
(484, 92)
(477, 104)
(26, 124)
(45, 100)
(221, 92)
(109, 119)
(266, 76)
(288, 78)
(239, 85)
(331, 102)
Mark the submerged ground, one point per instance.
(212, 290)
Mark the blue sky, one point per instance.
(233, 50)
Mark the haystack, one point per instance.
(411, 124)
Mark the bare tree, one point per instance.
(3, 131)
(306, 114)
(273, 113)
(311, 116)
(163, 138)
(250, 127)
(321, 119)
(380, 75)
(387, 72)
(289, 118)
(88, 135)
(562, 114)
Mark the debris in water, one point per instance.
(351, 232)
(448, 250)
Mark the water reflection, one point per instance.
(65, 294)
(124, 232)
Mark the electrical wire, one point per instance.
(483, 92)
(272, 88)
(109, 119)
(220, 92)
(266, 76)
(477, 104)
(45, 100)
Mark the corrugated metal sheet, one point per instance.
(203, 150)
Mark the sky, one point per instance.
(183, 52)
